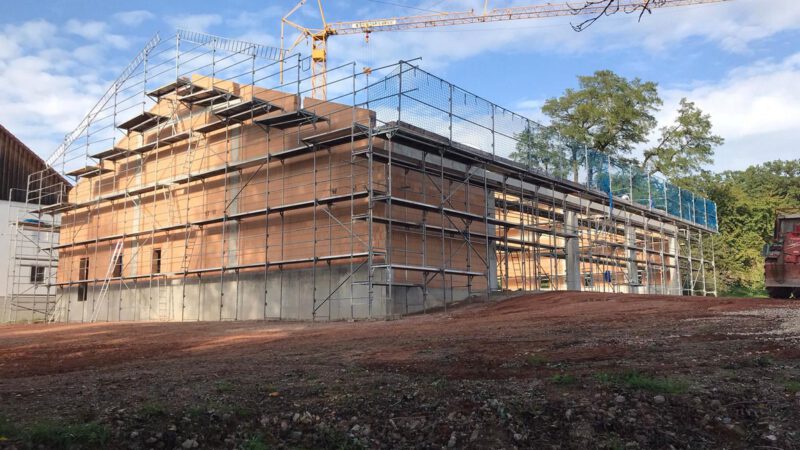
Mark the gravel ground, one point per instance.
(556, 370)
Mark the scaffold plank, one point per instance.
(88, 171)
(142, 122)
(290, 119)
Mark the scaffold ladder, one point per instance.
(164, 298)
(188, 252)
(107, 281)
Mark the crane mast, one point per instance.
(319, 36)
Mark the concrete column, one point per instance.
(673, 250)
(572, 251)
(491, 254)
(633, 268)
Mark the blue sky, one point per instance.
(738, 60)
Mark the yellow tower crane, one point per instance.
(319, 36)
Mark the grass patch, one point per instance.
(195, 412)
(792, 386)
(7, 428)
(563, 379)
(763, 361)
(243, 412)
(535, 360)
(330, 438)
(662, 385)
(51, 434)
(637, 380)
(603, 377)
(255, 443)
(152, 409)
(223, 386)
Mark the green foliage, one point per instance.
(223, 386)
(563, 379)
(542, 148)
(152, 409)
(50, 434)
(604, 377)
(608, 113)
(335, 439)
(685, 147)
(613, 115)
(636, 380)
(792, 386)
(744, 292)
(255, 443)
(7, 428)
(746, 204)
(535, 360)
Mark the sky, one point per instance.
(738, 60)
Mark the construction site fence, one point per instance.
(413, 96)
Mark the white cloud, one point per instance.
(118, 41)
(264, 18)
(91, 29)
(195, 22)
(133, 18)
(755, 108)
(733, 26)
(49, 80)
(257, 37)
(88, 53)
(32, 34)
(532, 109)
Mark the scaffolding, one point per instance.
(205, 188)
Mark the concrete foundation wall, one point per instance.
(285, 295)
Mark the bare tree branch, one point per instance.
(610, 7)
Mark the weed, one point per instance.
(255, 443)
(331, 438)
(49, 434)
(792, 386)
(243, 412)
(604, 377)
(152, 409)
(764, 361)
(196, 411)
(563, 379)
(7, 428)
(535, 360)
(637, 380)
(223, 386)
(664, 385)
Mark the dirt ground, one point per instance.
(558, 370)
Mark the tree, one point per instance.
(608, 113)
(538, 147)
(684, 147)
(746, 204)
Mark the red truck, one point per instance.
(782, 257)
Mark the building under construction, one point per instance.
(207, 184)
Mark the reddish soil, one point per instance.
(561, 370)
